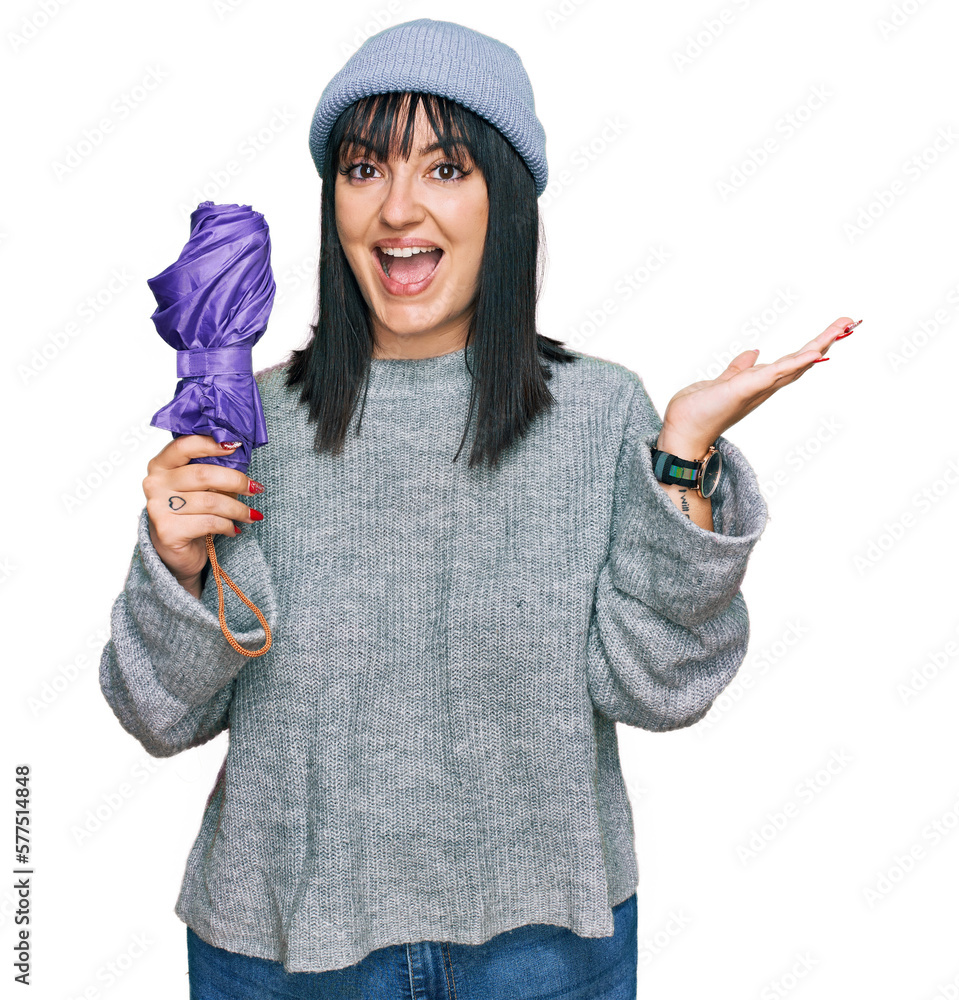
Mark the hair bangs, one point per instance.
(382, 126)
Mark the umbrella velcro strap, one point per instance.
(218, 573)
(199, 361)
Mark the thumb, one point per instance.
(739, 364)
(182, 449)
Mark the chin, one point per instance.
(408, 322)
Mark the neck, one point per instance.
(430, 343)
(446, 374)
(416, 347)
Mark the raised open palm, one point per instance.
(698, 414)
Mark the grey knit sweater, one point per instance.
(428, 751)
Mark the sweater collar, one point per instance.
(448, 372)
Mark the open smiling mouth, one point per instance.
(408, 266)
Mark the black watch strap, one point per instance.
(671, 469)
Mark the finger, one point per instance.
(739, 363)
(188, 446)
(756, 383)
(174, 532)
(826, 338)
(788, 369)
(205, 503)
(750, 404)
(206, 476)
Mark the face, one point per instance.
(413, 233)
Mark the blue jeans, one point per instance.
(535, 962)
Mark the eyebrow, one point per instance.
(432, 147)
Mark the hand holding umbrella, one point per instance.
(213, 305)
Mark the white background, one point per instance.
(842, 722)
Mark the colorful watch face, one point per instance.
(711, 471)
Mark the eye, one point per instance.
(446, 170)
(361, 171)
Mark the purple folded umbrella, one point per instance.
(213, 305)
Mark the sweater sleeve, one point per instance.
(167, 670)
(669, 627)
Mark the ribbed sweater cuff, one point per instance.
(669, 562)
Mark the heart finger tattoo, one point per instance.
(177, 506)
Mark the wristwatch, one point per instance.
(702, 474)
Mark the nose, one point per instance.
(401, 206)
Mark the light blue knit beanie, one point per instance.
(446, 59)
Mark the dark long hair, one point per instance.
(508, 374)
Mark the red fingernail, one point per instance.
(236, 530)
(816, 362)
(255, 487)
(848, 328)
(255, 515)
(230, 444)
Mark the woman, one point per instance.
(422, 794)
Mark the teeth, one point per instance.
(405, 251)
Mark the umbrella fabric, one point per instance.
(213, 305)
